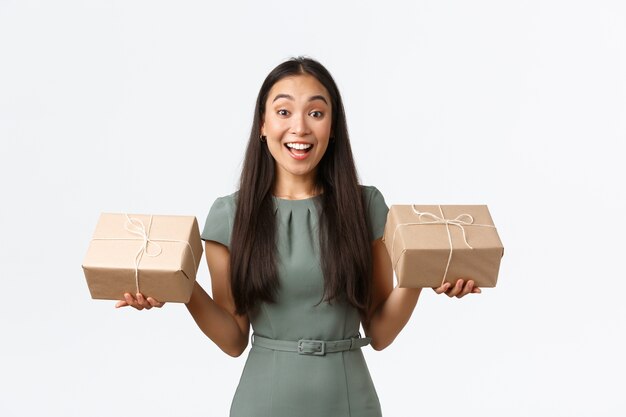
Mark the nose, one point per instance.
(299, 125)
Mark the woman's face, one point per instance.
(297, 125)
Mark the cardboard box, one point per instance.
(155, 254)
(432, 244)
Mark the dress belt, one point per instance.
(311, 346)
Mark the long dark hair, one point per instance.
(343, 234)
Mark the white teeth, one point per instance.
(299, 146)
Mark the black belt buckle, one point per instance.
(311, 347)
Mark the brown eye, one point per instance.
(282, 112)
(317, 114)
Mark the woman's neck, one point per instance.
(295, 188)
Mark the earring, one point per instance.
(262, 138)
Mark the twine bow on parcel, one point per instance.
(135, 226)
(460, 221)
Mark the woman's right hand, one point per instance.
(139, 302)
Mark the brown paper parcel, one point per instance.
(420, 249)
(158, 253)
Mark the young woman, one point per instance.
(296, 252)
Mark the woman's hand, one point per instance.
(139, 303)
(458, 290)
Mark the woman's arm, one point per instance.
(391, 308)
(216, 316)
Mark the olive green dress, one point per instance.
(286, 384)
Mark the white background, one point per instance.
(145, 107)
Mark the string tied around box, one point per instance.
(136, 226)
(459, 221)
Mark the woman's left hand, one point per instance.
(460, 289)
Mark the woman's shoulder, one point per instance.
(370, 193)
(369, 189)
(227, 201)
(377, 210)
(219, 221)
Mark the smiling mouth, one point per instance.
(299, 149)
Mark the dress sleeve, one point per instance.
(377, 211)
(219, 222)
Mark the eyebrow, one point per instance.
(312, 98)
